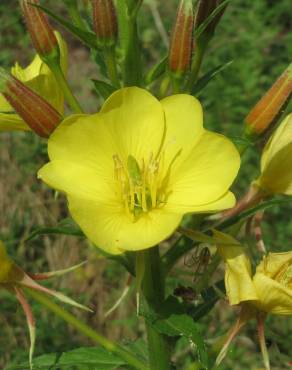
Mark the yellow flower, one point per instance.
(276, 172)
(131, 171)
(41, 80)
(269, 289)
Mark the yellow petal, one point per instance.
(4, 105)
(136, 119)
(205, 176)
(273, 297)
(12, 122)
(274, 263)
(238, 281)
(89, 183)
(110, 229)
(276, 175)
(184, 126)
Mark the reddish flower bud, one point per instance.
(181, 42)
(271, 105)
(41, 32)
(105, 21)
(33, 109)
(204, 10)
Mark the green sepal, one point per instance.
(103, 89)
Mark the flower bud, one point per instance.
(34, 110)
(41, 32)
(266, 111)
(105, 22)
(204, 9)
(181, 40)
(276, 174)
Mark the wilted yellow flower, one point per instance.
(269, 289)
(131, 171)
(276, 170)
(14, 279)
(41, 80)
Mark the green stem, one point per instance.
(110, 62)
(75, 14)
(196, 65)
(153, 290)
(70, 98)
(86, 330)
(132, 63)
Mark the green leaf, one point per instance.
(250, 212)
(87, 37)
(103, 89)
(183, 325)
(92, 356)
(65, 227)
(156, 71)
(203, 81)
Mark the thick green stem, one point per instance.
(153, 290)
(75, 14)
(196, 65)
(110, 62)
(70, 98)
(132, 66)
(86, 330)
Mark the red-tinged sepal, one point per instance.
(52, 274)
(265, 113)
(39, 115)
(41, 32)
(30, 321)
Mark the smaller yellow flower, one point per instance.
(41, 80)
(269, 289)
(276, 172)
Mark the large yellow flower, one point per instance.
(269, 289)
(41, 80)
(131, 171)
(276, 170)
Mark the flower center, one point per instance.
(140, 186)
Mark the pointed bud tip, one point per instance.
(41, 32)
(181, 41)
(271, 105)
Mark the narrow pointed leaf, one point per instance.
(51, 274)
(209, 76)
(103, 89)
(93, 357)
(156, 71)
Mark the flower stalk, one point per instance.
(153, 290)
(262, 340)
